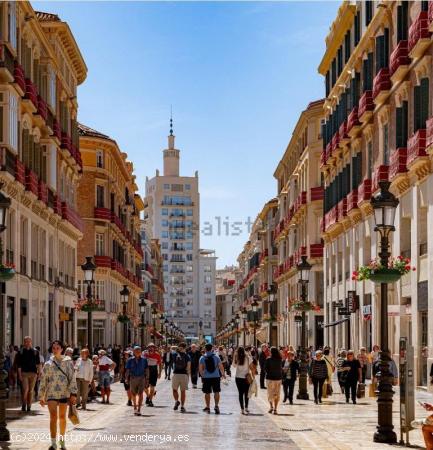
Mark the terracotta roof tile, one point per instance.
(83, 130)
(47, 17)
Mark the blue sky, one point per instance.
(237, 75)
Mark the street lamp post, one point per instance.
(89, 269)
(384, 206)
(124, 298)
(154, 317)
(166, 331)
(142, 306)
(272, 291)
(237, 321)
(200, 325)
(5, 203)
(304, 272)
(161, 326)
(244, 317)
(254, 306)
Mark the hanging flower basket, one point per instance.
(122, 318)
(84, 305)
(377, 273)
(269, 319)
(6, 273)
(302, 306)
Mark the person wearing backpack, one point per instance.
(211, 371)
(181, 372)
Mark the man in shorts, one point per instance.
(211, 371)
(137, 373)
(154, 362)
(181, 372)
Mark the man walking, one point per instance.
(194, 355)
(181, 371)
(154, 362)
(353, 375)
(264, 354)
(168, 361)
(137, 374)
(211, 370)
(29, 370)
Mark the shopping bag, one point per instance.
(360, 391)
(73, 415)
(372, 389)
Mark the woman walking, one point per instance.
(242, 364)
(290, 371)
(84, 376)
(318, 375)
(339, 364)
(105, 366)
(274, 374)
(58, 388)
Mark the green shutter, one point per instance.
(37, 158)
(416, 108)
(405, 108)
(399, 127)
(424, 94)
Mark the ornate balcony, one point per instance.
(43, 192)
(430, 16)
(72, 217)
(344, 137)
(31, 93)
(31, 182)
(342, 209)
(419, 35)
(56, 129)
(115, 219)
(20, 171)
(416, 146)
(6, 64)
(102, 213)
(364, 191)
(381, 86)
(353, 123)
(380, 174)
(352, 200)
(399, 61)
(335, 141)
(300, 201)
(19, 77)
(332, 216)
(316, 193)
(42, 108)
(366, 106)
(397, 163)
(316, 250)
(429, 135)
(103, 261)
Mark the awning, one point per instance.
(333, 324)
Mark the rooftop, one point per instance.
(84, 130)
(47, 17)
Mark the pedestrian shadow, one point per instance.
(255, 414)
(147, 415)
(283, 414)
(190, 412)
(224, 414)
(160, 406)
(88, 429)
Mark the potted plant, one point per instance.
(82, 304)
(299, 305)
(122, 318)
(378, 273)
(7, 271)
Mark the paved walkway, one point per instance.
(332, 425)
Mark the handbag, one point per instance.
(372, 389)
(73, 415)
(360, 391)
(329, 390)
(249, 378)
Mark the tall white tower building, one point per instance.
(172, 205)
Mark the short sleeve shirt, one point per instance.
(104, 363)
(217, 361)
(137, 367)
(153, 359)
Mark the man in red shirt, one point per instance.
(154, 362)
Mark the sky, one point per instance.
(237, 75)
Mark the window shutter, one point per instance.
(379, 53)
(386, 47)
(31, 153)
(399, 128)
(37, 158)
(370, 72)
(416, 108)
(424, 93)
(25, 146)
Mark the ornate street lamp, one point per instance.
(142, 306)
(254, 306)
(124, 299)
(5, 203)
(237, 322)
(89, 269)
(166, 326)
(272, 294)
(244, 318)
(154, 317)
(384, 207)
(304, 274)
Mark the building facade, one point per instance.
(297, 228)
(378, 74)
(110, 209)
(40, 68)
(173, 210)
(225, 304)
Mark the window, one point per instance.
(189, 268)
(164, 223)
(368, 12)
(164, 234)
(164, 212)
(52, 88)
(357, 29)
(382, 50)
(369, 159)
(100, 289)
(367, 73)
(100, 244)
(100, 196)
(189, 257)
(9, 120)
(207, 278)
(177, 187)
(189, 212)
(188, 245)
(187, 187)
(206, 268)
(421, 98)
(12, 24)
(402, 16)
(347, 48)
(166, 186)
(100, 159)
(385, 145)
(164, 245)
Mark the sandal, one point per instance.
(206, 410)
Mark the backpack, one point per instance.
(180, 362)
(209, 362)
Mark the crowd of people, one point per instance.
(73, 377)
